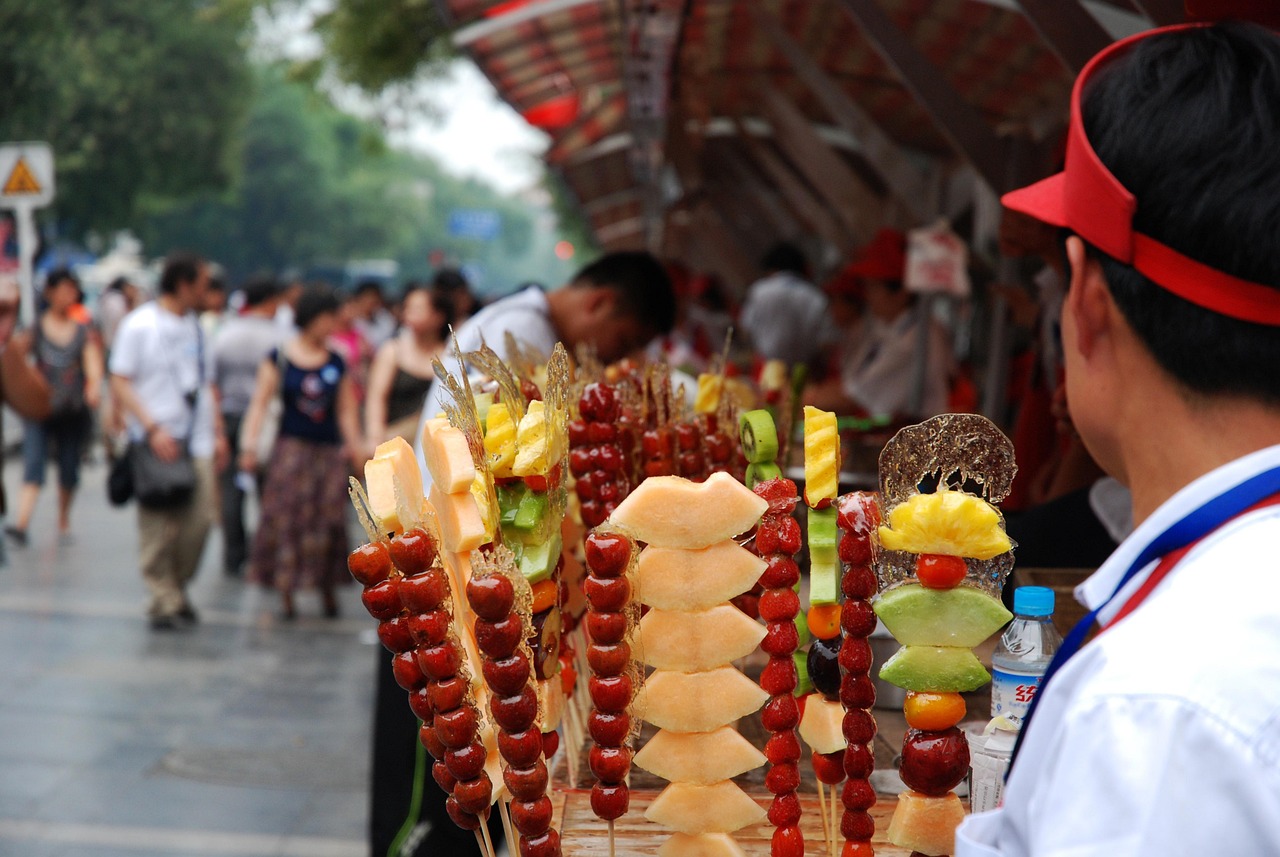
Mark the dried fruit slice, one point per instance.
(918, 616)
(697, 702)
(822, 725)
(696, 641)
(702, 845)
(693, 809)
(944, 668)
(673, 512)
(670, 579)
(699, 757)
(926, 824)
(947, 522)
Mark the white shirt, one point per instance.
(158, 352)
(786, 319)
(878, 370)
(525, 314)
(1162, 736)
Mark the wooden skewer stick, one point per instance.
(484, 831)
(611, 837)
(822, 813)
(504, 813)
(480, 843)
(836, 806)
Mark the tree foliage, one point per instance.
(380, 43)
(137, 98)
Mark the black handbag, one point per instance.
(162, 484)
(120, 480)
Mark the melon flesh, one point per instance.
(550, 704)
(670, 579)
(673, 512)
(718, 808)
(699, 757)
(461, 526)
(963, 616)
(926, 824)
(394, 486)
(702, 845)
(692, 642)
(822, 726)
(697, 702)
(448, 458)
(940, 668)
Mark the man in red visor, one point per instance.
(1162, 735)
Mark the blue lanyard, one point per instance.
(1192, 527)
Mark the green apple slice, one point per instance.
(918, 616)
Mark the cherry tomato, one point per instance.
(824, 621)
(933, 712)
(938, 571)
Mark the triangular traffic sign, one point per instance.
(21, 180)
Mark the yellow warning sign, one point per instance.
(21, 180)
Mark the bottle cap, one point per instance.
(1033, 601)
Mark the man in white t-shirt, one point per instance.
(160, 375)
(784, 315)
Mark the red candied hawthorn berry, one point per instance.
(448, 694)
(610, 693)
(857, 826)
(474, 795)
(370, 564)
(413, 551)
(532, 817)
(858, 727)
(515, 713)
(610, 764)
(607, 594)
(779, 605)
(854, 549)
(499, 639)
(382, 600)
(857, 619)
(579, 433)
(606, 629)
(782, 778)
(855, 655)
(829, 767)
(599, 403)
(780, 493)
(425, 592)
(858, 794)
(858, 761)
(785, 810)
(506, 676)
(394, 635)
(609, 729)
(859, 581)
(857, 691)
(779, 676)
(491, 596)
(546, 845)
(781, 638)
(459, 816)
(526, 783)
(787, 842)
(780, 713)
(782, 747)
(781, 572)
(520, 749)
(858, 513)
(610, 800)
(607, 660)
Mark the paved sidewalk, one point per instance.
(243, 736)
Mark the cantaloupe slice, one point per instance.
(702, 845)
(693, 809)
(670, 579)
(926, 824)
(673, 512)
(461, 526)
(918, 616)
(822, 726)
(945, 668)
(699, 757)
(394, 485)
(697, 702)
(698, 640)
(448, 458)
(550, 703)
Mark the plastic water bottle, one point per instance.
(1023, 654)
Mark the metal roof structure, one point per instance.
(701, 128)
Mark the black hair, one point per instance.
(58, 275)
(118, 284)
(259, 290)
(450, 279)
(1189, 122)
(315, 301)
(440, 302)
(641, 283)
(179, 268)
(785, 256)
(364, 287)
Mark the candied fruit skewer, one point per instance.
(610, 556)
(501, 599)
(858, 516)
(597, 457)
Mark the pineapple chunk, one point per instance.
(710, 388)
(673, 512)
(394, 485)
(948, 522)
(701, 640)
(461, 524)
(702, 845)
(671, 579)
(699, 757)
(693, 809)
(532, 458)
(926, 824)
(697, 702)
(500, 441)
(448, 457)
(822, 726)
(821, 455)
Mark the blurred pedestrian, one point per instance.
(785, 315)
(375, 322)
(402, 373)
(350, 344)
(453, 284)
(70, 359)
(22, 387)
(302, 536)
(238, 349)
(160, 377)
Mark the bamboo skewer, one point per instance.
(611, 838)
(480, 841)
(822, 811)
(504, 813)
(484, 831)
(835, 825)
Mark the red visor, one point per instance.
(1087, 199)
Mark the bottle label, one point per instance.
(1011, 694)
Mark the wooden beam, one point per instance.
(1066, 29)
(960, 123)
(806, 206)
(1163, 12)
(739, 173)
(849, 197)
(906, 182)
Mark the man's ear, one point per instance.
(600, 302)
(1088, 300)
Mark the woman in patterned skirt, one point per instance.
(301, 540)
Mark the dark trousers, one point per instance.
(235, 538)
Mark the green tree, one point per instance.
(138, 98)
